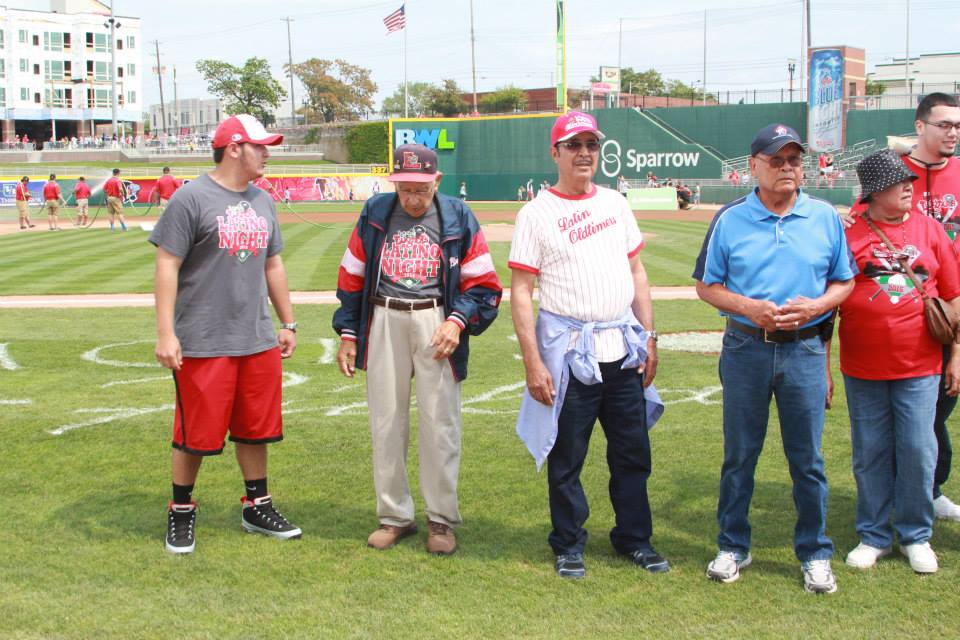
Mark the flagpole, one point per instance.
(406, 101)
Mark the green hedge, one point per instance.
(368, 143)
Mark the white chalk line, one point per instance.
(6, 361)
(94, 356)
(16, 402)
(329, 350)
(111, 415)
(107, 385)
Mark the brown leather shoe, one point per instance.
(388, 535)
(441, 540)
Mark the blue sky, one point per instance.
(748, 42)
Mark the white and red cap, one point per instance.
(570, 124)
(243, 128)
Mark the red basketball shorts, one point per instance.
(236, 394)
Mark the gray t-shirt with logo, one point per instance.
(410, 263)
(224, 238)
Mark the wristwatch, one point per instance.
(654, 335)
(290, 326)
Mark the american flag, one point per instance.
(395, 21)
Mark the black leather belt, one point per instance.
(779, 336)
(400, 304)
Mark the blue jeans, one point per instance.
(894, 455)
(751, 372)
(945, 406)
(619, 405)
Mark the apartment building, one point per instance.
(56, 75)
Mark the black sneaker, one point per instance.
(259, 516)
(570, 565)
(180, 521)
(650, 560)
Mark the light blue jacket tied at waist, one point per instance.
(537, 422)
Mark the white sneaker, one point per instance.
(818, 577)
(922, 558)
(726, 566)
(865, 556)
(945, 509)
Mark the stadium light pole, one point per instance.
(906, 59)
(163, 107)
(704, 57)
(113, 25)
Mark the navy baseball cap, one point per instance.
(772, 138)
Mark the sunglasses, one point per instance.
(575, 145)
(776, 162)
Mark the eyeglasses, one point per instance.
(945, 125)
(776, 162)
(575, 145)
(419, 193)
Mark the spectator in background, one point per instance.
(696, 195)
(520, 193)
(622, 185)
(463, 191)
(529, 190)
(734, 178)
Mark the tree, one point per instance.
(248, 89)
(336, 89)
(874, 88)
(418, 94)
(445, 99)
(678, 89)
(645, 83)
(506, 99)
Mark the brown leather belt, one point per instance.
(400, 304)
(779, 336)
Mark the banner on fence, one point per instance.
(825, 102)
(653, 199)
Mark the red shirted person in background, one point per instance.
(52, 198)
(165, 187)
(115, 193)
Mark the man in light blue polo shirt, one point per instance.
(776, 263)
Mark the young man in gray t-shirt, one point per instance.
(218, 260)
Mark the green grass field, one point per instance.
(98, 261)
(86, 419)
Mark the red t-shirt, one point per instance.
(943, 187)
(166, 185)
(51, 191)
(81, 190)
(113, 188)
(883, 334)
(23, 193)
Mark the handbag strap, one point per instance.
(902, 259)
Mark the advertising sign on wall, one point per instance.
(825, 101)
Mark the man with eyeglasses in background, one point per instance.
(591, 353)
(776, 263)
(936, 193)
(416, 281)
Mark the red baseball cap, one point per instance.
(413, 163)
(243, 128)
(572, 123)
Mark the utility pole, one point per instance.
(293, 102)
(163, 108)
(906, 60)
(473, 59)
(704, 57)
(176, 103)
(791, 67)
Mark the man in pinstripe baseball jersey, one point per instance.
(592, 351)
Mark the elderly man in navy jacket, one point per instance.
(415, 282)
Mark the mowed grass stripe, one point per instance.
(85, 273)
(63, 253)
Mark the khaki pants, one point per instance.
(163, 205)
(22, 208)
(52, 207)
(83, 206)
(399, 348)
(114, 206)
